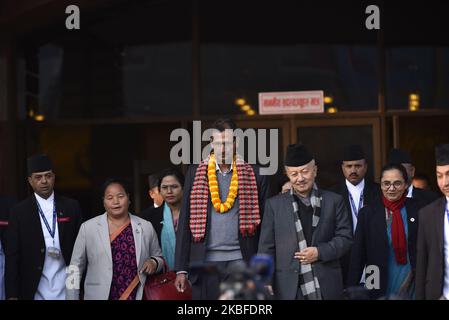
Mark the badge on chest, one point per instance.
(53, 252)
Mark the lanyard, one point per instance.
(50, 231)
(356, 211)
(446, 210)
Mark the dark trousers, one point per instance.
(207, 285)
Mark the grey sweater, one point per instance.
(223, 240)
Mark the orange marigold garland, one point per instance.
(213, 187)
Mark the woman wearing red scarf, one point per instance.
(385, 240)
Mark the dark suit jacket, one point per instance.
(25, 250)
(190, 253)
(371, 194)
(155, 216)
(332, 237)
(430, 262)
(424, 197)
(6, 204)
(371, 243)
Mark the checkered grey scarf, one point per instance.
(308, 282)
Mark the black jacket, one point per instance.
(430, 261)
(371, 195)
(424, 197)
(25, 249)
(155, 216)
(6, 204)
(371, 243)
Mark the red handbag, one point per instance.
(162, 287)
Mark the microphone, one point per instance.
(262, 266)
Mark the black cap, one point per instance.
(399, 156)
(353, 152)
(297, 155)
(442, 154)
(39, 163)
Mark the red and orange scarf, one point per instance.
(248, 200)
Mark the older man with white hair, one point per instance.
(307, 231)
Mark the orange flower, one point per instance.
(214, 189)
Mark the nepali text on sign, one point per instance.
(291, 102)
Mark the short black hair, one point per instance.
(395, 166)
(421, 176)
(115, 180)
(153, 180)
(223, 123)
(171, 172)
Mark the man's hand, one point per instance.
(180, 282)
(307, 256)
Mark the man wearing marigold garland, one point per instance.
(220, 216)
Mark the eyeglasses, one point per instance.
(387, 184)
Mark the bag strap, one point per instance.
(166, 268)
(135, 282)
(130, 288)
(115, 234)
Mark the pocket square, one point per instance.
(3, 223)
(66, 219)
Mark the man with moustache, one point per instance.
(356, 190)
(40, 237)
(432, 265)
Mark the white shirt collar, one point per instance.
(355, 189)
(447, 203)
(42, 200)
(217, 168)
(410, 192)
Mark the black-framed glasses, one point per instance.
(396, 184)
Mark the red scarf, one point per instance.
(397, 228)
(249, 213)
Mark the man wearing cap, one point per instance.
(432, 265)
(357, 191)
(423, 197)
(307, 231)
(40, 237)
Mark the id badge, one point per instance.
(53, 252)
